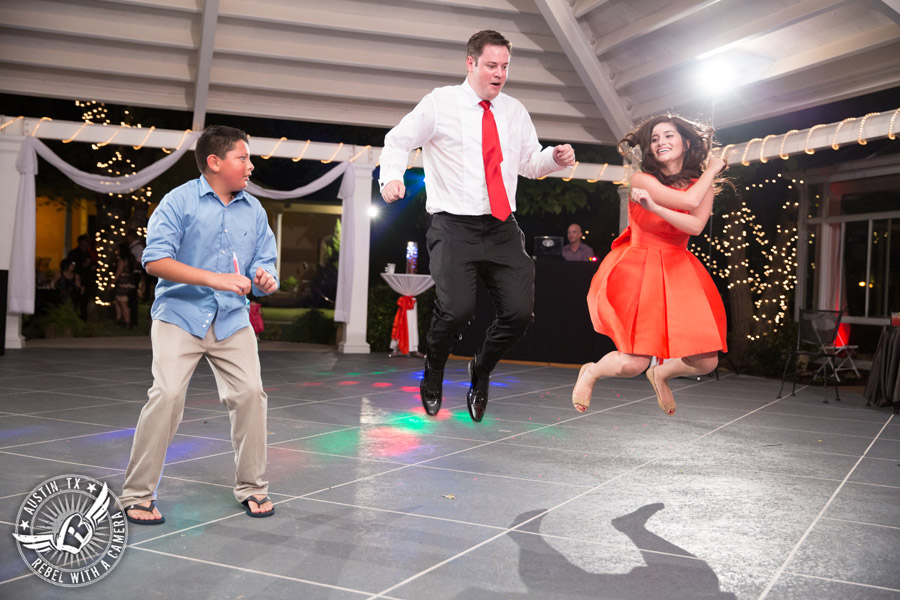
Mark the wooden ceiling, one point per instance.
(585, 69)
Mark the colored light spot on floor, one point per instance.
(348, 382)
(382, 384)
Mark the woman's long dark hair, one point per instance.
(697, 139)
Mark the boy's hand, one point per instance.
(231, 282)
(264, 281)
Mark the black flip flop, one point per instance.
(260, 502)
(148, 509)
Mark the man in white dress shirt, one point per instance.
(473, 234)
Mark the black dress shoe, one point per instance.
(432, 390)
(477, 398)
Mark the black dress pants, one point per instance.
(462, 249)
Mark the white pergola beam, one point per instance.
(889, 8)
(850, 130)
(454, 30)
(91, 22)
(204, 62)
(788, 67)
(673, 13)
(583, 7)
(593, 74)
(259, 146)
(732, 38)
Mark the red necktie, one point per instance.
(493, 156)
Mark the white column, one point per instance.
(353, 339)
(9, 191)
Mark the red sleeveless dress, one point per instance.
(652, 296)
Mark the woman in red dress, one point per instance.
(650, 294)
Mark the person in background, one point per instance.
(475, 142)
(84, 256)
(576, 249)
(125, 294)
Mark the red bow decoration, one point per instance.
(400, 331)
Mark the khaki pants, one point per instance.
(235, 363)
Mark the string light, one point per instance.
(602, 170)
(762, 148)
(571, 173)
(178, 147)
(38, 126)
(781, 153)
(834, 144)
(862, 124)
(10, 122)
(336, 150)
(115, 133)
(299, 157)
(74, 135)
(269, 155)
(360, 153)
(891, 135)
(809, 133)
(146, 137)
(744, 160)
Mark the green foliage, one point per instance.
(312, 327)
(768, 353)
(289, 284)
(61, 320)
(333, 246)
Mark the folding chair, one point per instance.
(841, 349)
(815, 336)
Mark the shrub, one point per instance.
(312, 327)
(61, 320)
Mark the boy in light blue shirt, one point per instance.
(210, 244)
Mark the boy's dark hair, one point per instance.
(485, 38)
(218, 140)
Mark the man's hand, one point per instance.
(230, 282)
(393, 191)
(564, 155)
(264, 281)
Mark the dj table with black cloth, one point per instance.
(562, 331)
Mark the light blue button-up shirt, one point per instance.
(193, 226)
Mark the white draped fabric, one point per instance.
(21, 269)
(345, 193)
(22, 266)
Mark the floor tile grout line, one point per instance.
(549, 510)
(509, 530)
(65, 462)
(252, 571)
(856, 583)
(66, 439)
(24, 576)
(55, 410)
(818, 517)
(373, 476)
(860, 523)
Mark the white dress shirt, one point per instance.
(446, 124)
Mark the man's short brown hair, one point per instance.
(485, 38)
